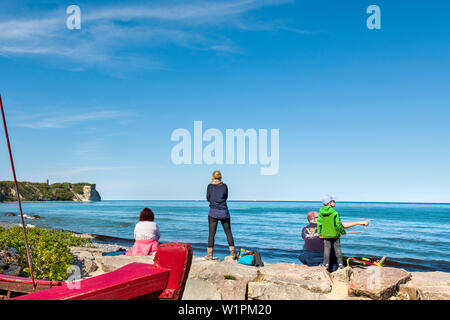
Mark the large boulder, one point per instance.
(13, 270)
(9, 214)
(9, 262)
(265, 290)
(313, 279)
(84, 258)
(223, 280)
(283, 281)
(216, 270)
(376, 282)
(197, 289)
(342, 275)
(427, 286)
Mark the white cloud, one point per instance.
(108, 33)
(64, 121)
(81, 170)
(195, 12)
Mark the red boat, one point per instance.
(165, 279)
(12, 286)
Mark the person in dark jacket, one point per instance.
(217, 195)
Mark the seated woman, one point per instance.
(146, 235)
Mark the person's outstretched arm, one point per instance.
(355, 223)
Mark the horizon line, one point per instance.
(312, 201)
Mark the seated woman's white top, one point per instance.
(146, 230)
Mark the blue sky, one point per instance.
(363, 114)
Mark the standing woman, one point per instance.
(217, 195)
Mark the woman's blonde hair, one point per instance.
(217, 175)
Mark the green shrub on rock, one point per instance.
(49, 249)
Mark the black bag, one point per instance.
(256, 261)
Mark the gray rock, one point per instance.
(229, 278)
(9, 214)
(197, 289)
(87, 262)
(426, 286)
(13, 251)
(376, 283)
(313, 279)
(8, 257)
(235, 281)
(280, 291)
(12, 270)
(89, 266)
(232, 289)
(84, 258)
(3, 263)
(9, 262)
(216, 270)
(342, 275)
(228, 259)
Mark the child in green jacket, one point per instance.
(330, 228)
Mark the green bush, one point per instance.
(78, 187)
(49, 249)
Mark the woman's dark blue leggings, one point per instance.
(213, 227)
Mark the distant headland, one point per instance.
(43, 191)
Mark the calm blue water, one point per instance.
(413, 236)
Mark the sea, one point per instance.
(413, 236)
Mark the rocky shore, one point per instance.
(229, 280)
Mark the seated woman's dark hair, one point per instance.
(146, 215)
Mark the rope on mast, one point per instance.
(18, 196)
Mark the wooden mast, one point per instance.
(18, 195)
